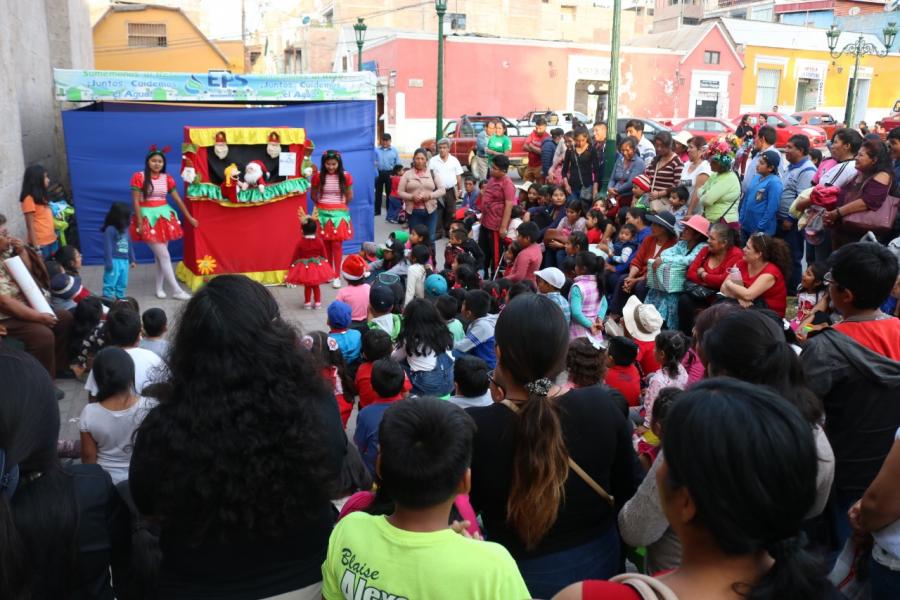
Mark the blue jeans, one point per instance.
(438, 382)
(394, 204)
(115, 280)
(420, 215)
(48, 250)
(548, 574)
(796, 242)
(885, 582)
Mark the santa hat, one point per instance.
(274, 138)
(262, 168)
(354, 267)
(220, 137)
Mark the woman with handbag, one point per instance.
(706, 274)
(550, 470)
(420, 189)
(578, 170)
(737, 509)
(667, 274)
(720, 194)
(865, 203)
(664, 172)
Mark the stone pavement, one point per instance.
(142, 287)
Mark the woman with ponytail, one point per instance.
(60, 529)
(736, 481)
(549, 471)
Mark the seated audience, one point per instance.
(471, 378)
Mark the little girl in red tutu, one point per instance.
(309, 267)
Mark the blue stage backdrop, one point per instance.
(107, 142)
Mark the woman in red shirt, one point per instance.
(762, 273)
(709, 269)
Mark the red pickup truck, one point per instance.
(893, 120)
(463, 131)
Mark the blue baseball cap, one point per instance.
(435, 285)
(339, 314)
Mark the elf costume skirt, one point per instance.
(159, 224)
(310, 271)
(335, 222)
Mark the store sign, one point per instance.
(810, 70)
(592, 68)
(709, 84)
(75, 85)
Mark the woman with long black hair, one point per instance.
(36, 207)
(240, 458)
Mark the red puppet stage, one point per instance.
(247, 226)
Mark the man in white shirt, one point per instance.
(635, 129)
(449, 171)
(123, 329)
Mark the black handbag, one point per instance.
(697, 291)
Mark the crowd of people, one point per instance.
(627, 389)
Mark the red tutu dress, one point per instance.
(334, 217)
(159, 222)
(310, 267)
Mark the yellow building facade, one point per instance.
(799, 79)
(159, 38)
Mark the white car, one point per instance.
(555, 118)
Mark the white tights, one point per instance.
(164, 269)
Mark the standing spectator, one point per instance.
(798, 178)
(420, 189)
(36, 208)
(118, 252)
(548, 150)
(449, 171)
(386, 158)
(764, 140)
(867, 191)
(45, 336)
(599, 146)
(695, 173)
(628, 166)
(534, 147)
(893, 140)
(635, 128)
(664, 172)
(498, 144)
(480, 160)
(579, 177)
(549, 471)
(855, 368)
(760, 205)
(497, 199)
(863, 128)
(720, 194)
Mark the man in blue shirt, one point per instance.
(386, 158)
(799, 176)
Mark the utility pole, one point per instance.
(441, 7)
(612, 105)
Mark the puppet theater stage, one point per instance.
(107, 142)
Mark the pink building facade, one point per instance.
(512, 77)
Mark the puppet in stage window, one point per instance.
(154, 221)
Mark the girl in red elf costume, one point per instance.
(154, 221)
(309, 267)
(332, 191)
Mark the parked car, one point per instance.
(893, 120)
(819, 119)
(785, 127)
(463, 131)
(651, 127)
(555, 118)
(709, 128)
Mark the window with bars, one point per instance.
(457, 21)
(147, 35)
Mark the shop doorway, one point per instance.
(706, 107)
(588, 94)
(808, 94)
(862, 100)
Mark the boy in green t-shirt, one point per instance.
(423, 463)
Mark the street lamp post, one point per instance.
(612, 104)
(359, 29)
(441, 7)
(859, 48)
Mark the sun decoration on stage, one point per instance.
(206, 265)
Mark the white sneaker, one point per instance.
(308, 306)
(160, 294)
(181, 295)
(336, 283)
